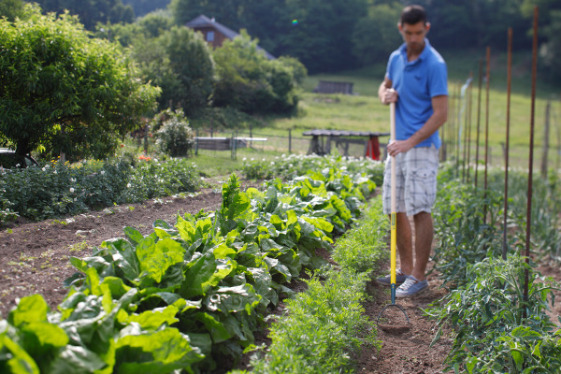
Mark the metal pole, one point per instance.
(470, 107)
(487, 116)
(478, 121)
(508, 90)
(485, 184)
(531, 158)
(546, 141)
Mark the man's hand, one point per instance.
(389, 96)
(399, 146)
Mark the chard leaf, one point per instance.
(155, 318)
(20, 362)
(222, 251)
(232, 299)
(344, 212)
(197, 272)
(30, 309)
(320, 223)
(124, 257)
(133, 235)
(47, 334)
(76, 360)
(96, 262)
(156, 258)
(216, 329)
(201, 341)
(158, 352)
(116, 286)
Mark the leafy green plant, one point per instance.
(496, 329)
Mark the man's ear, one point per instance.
(399, 27)
(427, 26)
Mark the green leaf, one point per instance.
(232, 299)
(134, 236)
(76, 360)
(47, 333)
(156, 258)
(30, 309)
(155, 318)
(204, 273)
(20, 362)
(216, 328)
(158, 352)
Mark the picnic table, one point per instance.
(320, 143)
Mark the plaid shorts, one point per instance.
(415, 181)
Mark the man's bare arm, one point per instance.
(385, 92)
(438, 118)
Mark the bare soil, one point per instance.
(34, 258)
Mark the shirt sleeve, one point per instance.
(438, 82)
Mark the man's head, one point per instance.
(413, 26)
(413, 14)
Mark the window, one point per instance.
(210, 36)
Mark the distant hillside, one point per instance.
(142, 7)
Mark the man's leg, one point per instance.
(423, 243)
(404, 242)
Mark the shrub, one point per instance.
(175, 137)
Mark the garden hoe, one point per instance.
(393, 325)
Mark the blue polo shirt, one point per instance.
(416, 82)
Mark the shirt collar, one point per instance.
(424, 53)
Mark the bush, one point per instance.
(59, 189)
(174, 137)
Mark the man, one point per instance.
(416, 80)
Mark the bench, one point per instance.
(320, 143)
(329, 87)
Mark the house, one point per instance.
(215, 33)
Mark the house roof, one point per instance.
(204, 21)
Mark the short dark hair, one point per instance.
(413, 14)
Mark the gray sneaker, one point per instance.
(387, 280)
(411, 287)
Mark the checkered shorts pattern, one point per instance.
(415, 181)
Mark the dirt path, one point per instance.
(405, 348)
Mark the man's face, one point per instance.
(414, 36)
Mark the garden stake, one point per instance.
(531, 157)
(507, 140)
(393, 237)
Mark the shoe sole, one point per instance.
(388, 284)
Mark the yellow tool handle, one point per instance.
(393, 238)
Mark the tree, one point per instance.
(376, 35)
(249, 82)
(180, 62)
(62, 89)
(91, 12)
(11, 9)
(143, 7)
(319, 33)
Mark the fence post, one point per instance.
(289, 141)
(546, 140)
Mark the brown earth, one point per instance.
(34, 259)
